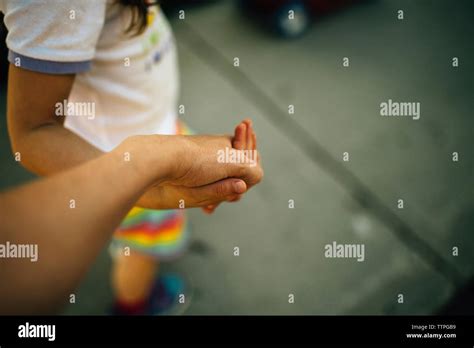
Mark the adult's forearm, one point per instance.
(52, 148)
(70, 217)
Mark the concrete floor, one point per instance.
(409, 250)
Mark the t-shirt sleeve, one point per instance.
(53, 36)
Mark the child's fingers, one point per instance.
(235, 199)
(240, 137)
(209, 209)
(252, 143)
(244, 136)
(249, 138)
(254, 139)
(255, 148)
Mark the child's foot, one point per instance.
(129, 309)
(170, 296)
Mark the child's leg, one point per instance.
(132, 280)
(151, 235)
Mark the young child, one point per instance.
(116, 59)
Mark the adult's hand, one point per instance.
(193, 174)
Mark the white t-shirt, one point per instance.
(129, 83)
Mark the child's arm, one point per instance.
(45, 146)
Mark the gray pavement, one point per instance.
(408, 251)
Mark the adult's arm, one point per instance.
(70, 216)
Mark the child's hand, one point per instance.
(244, 139)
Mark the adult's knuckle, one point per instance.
(219, 190)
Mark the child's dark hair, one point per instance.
(139, 14)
